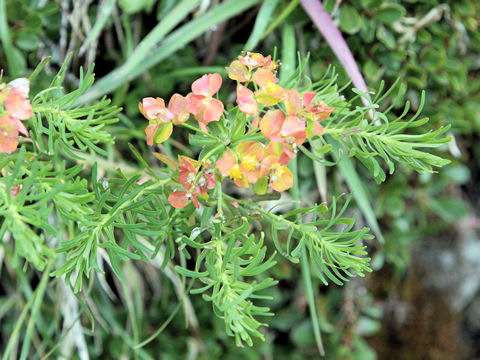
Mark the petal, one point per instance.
(246, 100)
(178, 107)
(292, 101)
(194, 103)
(8, 144)
(262, 77)
(294, 127)
(172, 164)
(154, 109)
(195, 201)
(238, 71)
(176, 104)
(255, 122)
(226, 162)
(307, 98)
(213, 111)
(251, 148)
(282, 180)
(17, 106)
(267, 164)
(150, 131)
(241, 182)
(252, 60)
(22, 85)
(20, 127)
(251, 175)
(271, 123)
(207, 85)
(318, 129)
(178, 199)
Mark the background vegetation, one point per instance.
(422, 299)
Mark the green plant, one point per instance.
(64, 218)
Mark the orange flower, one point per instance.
(281, 178)
(201, 104)
(278, 128)
(318, 110)
(192, 181)
(251, 155)
(228, 166)
(262, 77)
(246, 100)
(270, 93)
(312, 113)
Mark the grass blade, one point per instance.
(355, 185)
(175, 41)
(263, 19)
(13, 66)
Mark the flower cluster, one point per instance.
(196, 178)
(14, 107)
(199, 102)
(284, 117)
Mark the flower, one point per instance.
(277, 127)
(270, 93)
(228, 166)
(162, 118)
(311, 112)
(281, 178)
(262, 77)
(200, 102)
(251, 155)
(246, 100)
(193, 181)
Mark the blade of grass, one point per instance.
(13, 68)
(307, 283)
(288, 61)
(104, 13)
(347, 167)
(288, 53)
(281, 18)
(176, 40)
(263, 19)
(42, 287)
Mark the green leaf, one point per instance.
(163, 133)
(389, 13)
(350, 19)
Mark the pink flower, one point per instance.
(200, 102)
